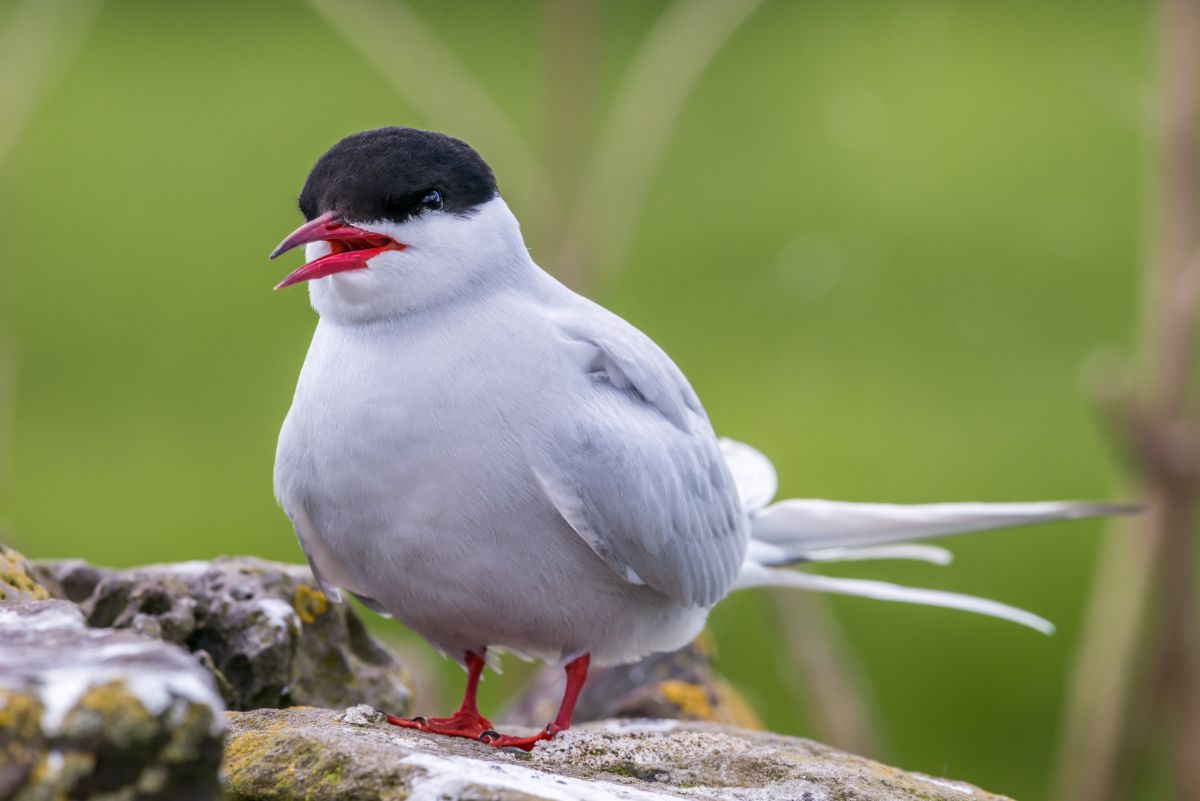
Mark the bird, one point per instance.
(504, 465)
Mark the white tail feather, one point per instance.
(753, 474)
(765, 553)
(800, 526)
(759, 576)
(917, 553)
(792, 531)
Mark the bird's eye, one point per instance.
(432, 200)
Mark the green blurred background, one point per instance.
(884, 240)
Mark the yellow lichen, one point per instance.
(51, 781)
(112, 709)
(309, 603)
(250, 745)
(733, 707)
(704, 645)
(111, 697)
(245, 750)
(690, 699)
(276, 759)
(14, 576)
(19, 715)
(189, 736)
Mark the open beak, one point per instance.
(350, 248)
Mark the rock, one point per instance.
(69, 579)
(681, 685)
(112, 714)
(269, 636)
(362, 715)
(17, 582)
(319, 755)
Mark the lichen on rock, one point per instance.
(318, 755)
(16, 580)
(87, 713)
(270, 637)
(22, 745)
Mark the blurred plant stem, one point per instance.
(36, 43)
(587, 207)
(1136, 683)
(570, 34)
(828, 678)
(394, 40)
(632, 139)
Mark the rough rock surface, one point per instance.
(319, 755)
(269, 636)
(101, 714)
(681, 685)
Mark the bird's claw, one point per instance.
(497, 740)
(461, 724)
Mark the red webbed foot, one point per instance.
(497, 740)
(576, 675)
(468, 723)
(471, 725)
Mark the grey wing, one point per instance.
(634, 467)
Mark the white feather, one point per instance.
(813, 530)
(752, 472)
(766, 553)
(801, 526)
(759, 576)
(932, 554)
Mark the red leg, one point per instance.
(576, 675)
(466, 722)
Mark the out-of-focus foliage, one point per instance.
(884, 241)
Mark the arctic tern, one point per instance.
(501, 463)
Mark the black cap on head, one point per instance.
(385, 173)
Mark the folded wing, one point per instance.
(636, 470)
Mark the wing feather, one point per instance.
(636, 470)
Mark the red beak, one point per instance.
(351, 247)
